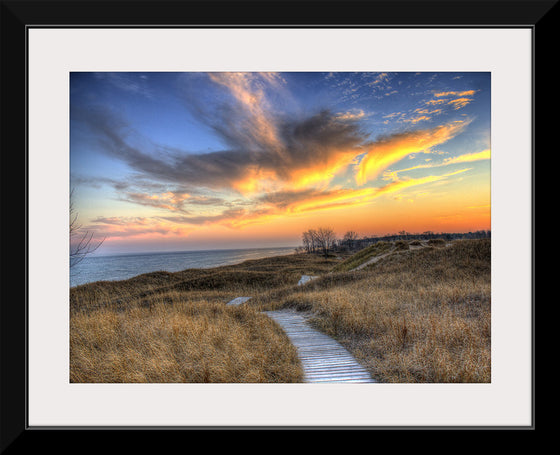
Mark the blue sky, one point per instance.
(178, 161)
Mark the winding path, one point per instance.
(322, 358)
(372, 260)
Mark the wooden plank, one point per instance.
(238, 301)
(323, 359)
(305, 279)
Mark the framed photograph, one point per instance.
(357, 176)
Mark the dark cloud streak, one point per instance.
(303, 144)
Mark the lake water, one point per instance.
(124, 266)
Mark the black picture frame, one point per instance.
(19, 16)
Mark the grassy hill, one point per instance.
(416, 313)
(363, 256)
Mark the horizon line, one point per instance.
(365, 237)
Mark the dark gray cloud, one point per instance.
(301, 144)
(257, 141)
(316, 139)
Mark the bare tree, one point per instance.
(349, 239)
(326, 239)
(310, 241)
(306, 238)
(319, 240)
(314, 240)
(80, 241)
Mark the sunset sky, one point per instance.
(190, 161)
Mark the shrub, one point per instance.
(401, 245)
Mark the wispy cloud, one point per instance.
(401, 184)
(355, 114)
(456, 93)
(389, 149)
(465, 158)
(129, 82)
(270, 164)
(459, 98)
(459, 102)
(296, 151)
(469, 157)
(111, 228)
(168, 201)
(419, 118)
(264, 208)
(379, 78)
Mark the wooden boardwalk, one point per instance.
(322, 358)
(305, 279)
(238, 301)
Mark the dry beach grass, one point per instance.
(422, 316)
(414, 315)
(179, 341)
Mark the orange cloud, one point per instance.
(313, 174)
(461, 98)
(459, 102)
(468, 157)
(391, 149)
(322, 173)
(256, 180)
(399, 185)
(334, 198)
(245, 89)
(428, 111)
(351, 115)
(432, 102)
(463, 93)
(267, 211)
(294, 202)
(418, 119)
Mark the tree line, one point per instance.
(323, 240)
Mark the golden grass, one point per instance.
(180, 342)
(362, 256)
(422, 316)
(416, 315)
(219, 284)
